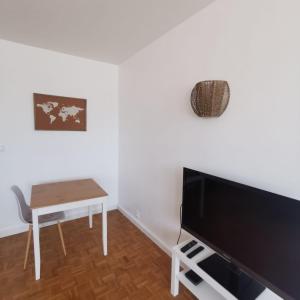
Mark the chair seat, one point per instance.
(57, 216)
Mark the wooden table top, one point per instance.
(65, 191)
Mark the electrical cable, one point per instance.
(180, 224)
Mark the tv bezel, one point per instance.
(222, 253)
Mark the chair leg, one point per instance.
(27, 246)
(61, 238)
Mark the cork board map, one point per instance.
(59, 113)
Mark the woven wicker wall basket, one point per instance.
(210, 98)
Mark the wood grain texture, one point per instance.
(135, 268)
(27, 246)
(61, 236)
(65, 191)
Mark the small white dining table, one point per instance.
(61, 196)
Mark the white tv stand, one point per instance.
(208, 289)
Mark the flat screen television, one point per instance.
(256, 230)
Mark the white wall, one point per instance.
(255, 46)
(38, 156)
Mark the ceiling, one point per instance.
(104, 30)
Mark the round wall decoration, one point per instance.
(210, 98)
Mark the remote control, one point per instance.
(194, 252)
(188, 246)
(193, 277)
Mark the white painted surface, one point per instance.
(90, 217)
(160, 243)
(175, 269)
(33, 157)
(104, 227)
(105, 30)
(36, 244)
(71, 215)
(254, 45)
(36, 212)
(211, 289)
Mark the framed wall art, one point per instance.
(59, 113)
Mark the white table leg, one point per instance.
(175, 272)
(90, 217)
(104, 228)
(36, 243)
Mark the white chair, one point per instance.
(25, 215)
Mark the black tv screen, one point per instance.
(257, 230)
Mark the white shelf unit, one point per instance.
(203, 290)
(208, 289)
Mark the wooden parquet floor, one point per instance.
(134, 269)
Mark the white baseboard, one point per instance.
(162, 245)
(71, 215)
(7, 231)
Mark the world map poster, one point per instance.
(59, 113)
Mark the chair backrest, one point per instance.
(24, 210)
